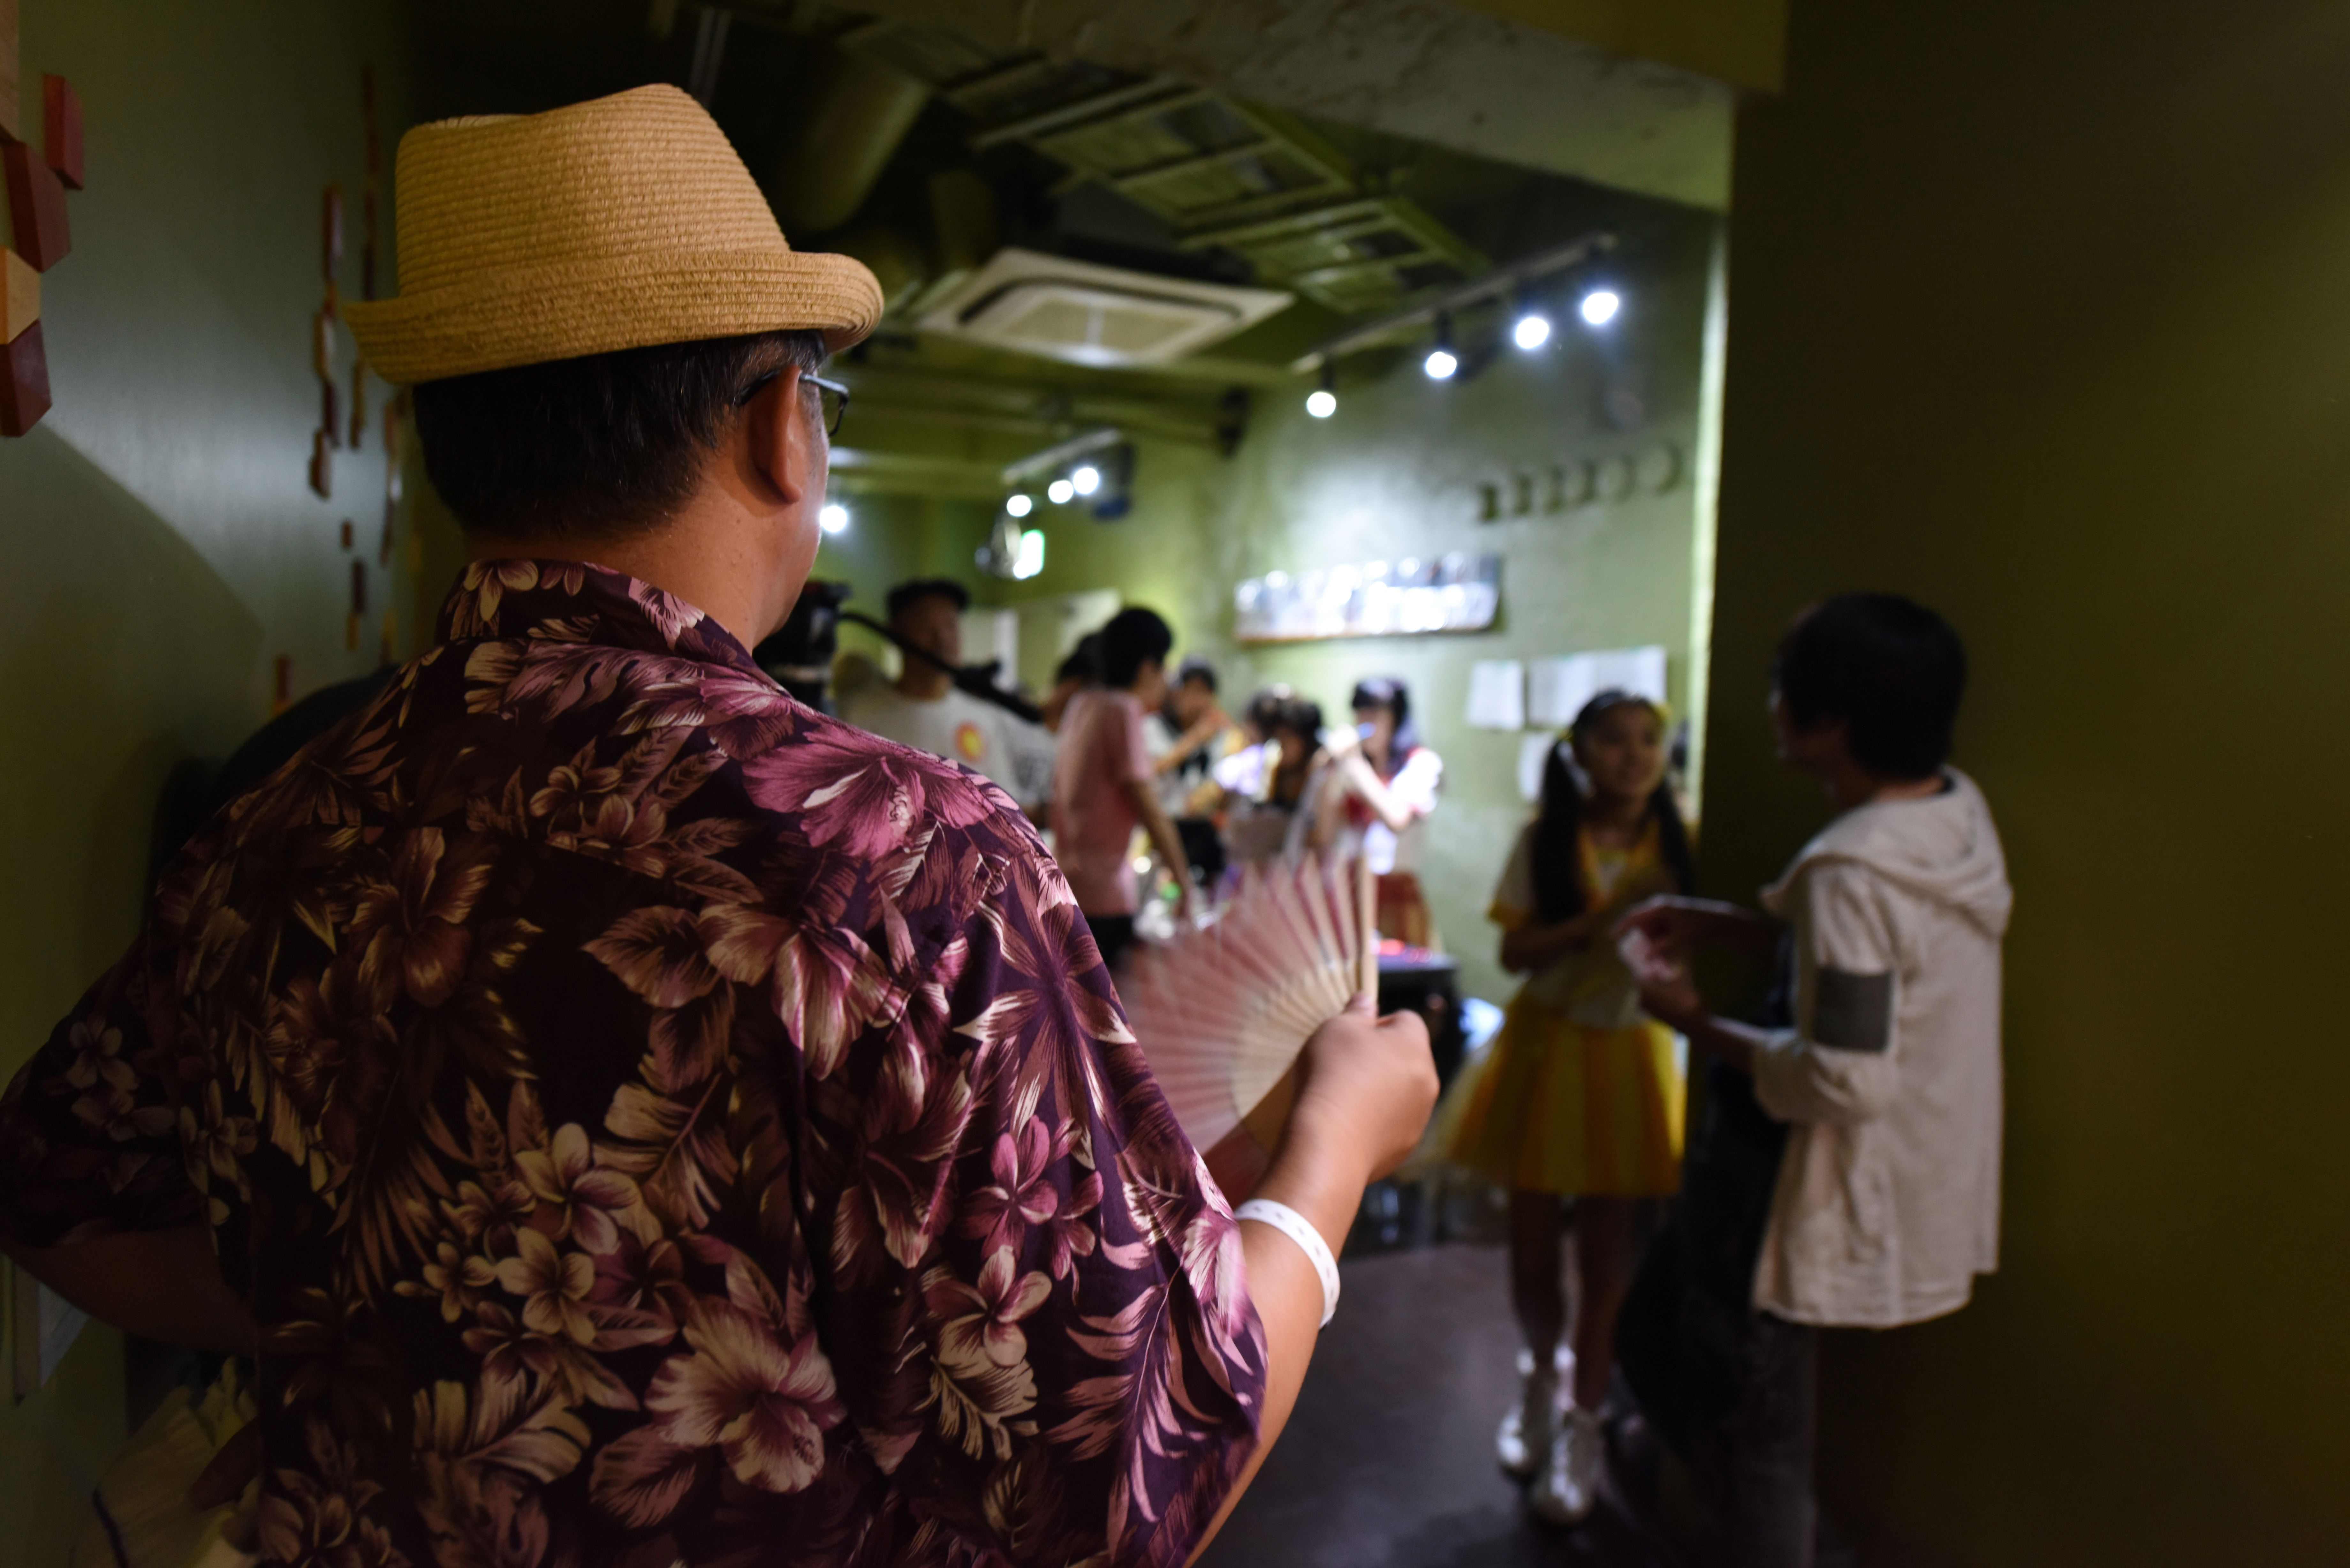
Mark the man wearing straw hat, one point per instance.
(633, 1117)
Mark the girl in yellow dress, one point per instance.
(1580, 1096)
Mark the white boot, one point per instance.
(1569, 1485)
(1526, 1431)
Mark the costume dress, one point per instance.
(1579, 1093)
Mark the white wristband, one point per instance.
(1300, 1229)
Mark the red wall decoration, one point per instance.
(40, 236)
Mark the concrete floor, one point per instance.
(1388, 1460)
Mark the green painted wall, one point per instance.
(2039, 315)
(158, 545)
(1397, 472)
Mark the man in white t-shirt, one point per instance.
(924, 709)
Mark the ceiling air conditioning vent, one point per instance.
(1035, 303)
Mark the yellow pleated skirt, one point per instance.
(1572, 1108)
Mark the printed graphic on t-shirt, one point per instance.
(971, 744)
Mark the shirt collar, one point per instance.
(578, 601)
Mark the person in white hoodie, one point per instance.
(1886, 1071)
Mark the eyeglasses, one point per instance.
(832, 397)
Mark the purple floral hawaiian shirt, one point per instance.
(656, 1123)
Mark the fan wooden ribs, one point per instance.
(1223, 1011)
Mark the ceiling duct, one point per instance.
(1086, 313)
(858, 110)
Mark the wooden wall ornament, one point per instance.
(20, 296)
(39, 235)
(330, 433)
(38, 199)
(23, 383)
(61, 129)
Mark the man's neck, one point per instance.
(922, 681)
(715, 569)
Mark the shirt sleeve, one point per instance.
(1841, 1063)
(89, 1129)
(1418, 781)
(1082, 1353)
(1513, 903)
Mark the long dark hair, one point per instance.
(1389, 692)
(1559, 893)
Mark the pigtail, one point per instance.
(1672, 836)
(1558, 852)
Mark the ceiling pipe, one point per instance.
(858, 109)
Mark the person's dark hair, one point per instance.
(593, 448)
(1302, 717)
(1264, 713)
(1559, 892)
(1084, 663)
(1198, 669)
(1892, 669)
(1390, 692)
(1132, 638)
(905, 596)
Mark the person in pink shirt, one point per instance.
(1103, 785)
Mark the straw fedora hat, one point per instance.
(617, 224)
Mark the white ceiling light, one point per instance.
(1321, 403)
(1600, 305)
(1441, 362)
(833, 518)
(1019, 506)
(1085, 480)
(1028, 561)
(1532, 331)
(1060, 493)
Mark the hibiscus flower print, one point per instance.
(658, 1125)
(982, 1317)
(575, 1198)
(765, 1406)
(554, 1287)
(411, 924)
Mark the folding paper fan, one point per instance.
(1223, 1011)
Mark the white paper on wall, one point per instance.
(1497, 694)
(1534, 755)
(1557, 688)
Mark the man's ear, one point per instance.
(777, 428)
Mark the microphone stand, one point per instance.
(976, 679)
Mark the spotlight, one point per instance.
(833, 518)
(1019, 506)
(1441, 362)
(1028, 561)
(1085, 480)
(1060, 493)
(1323, 401)
(1600, 305)
(1532, 331)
